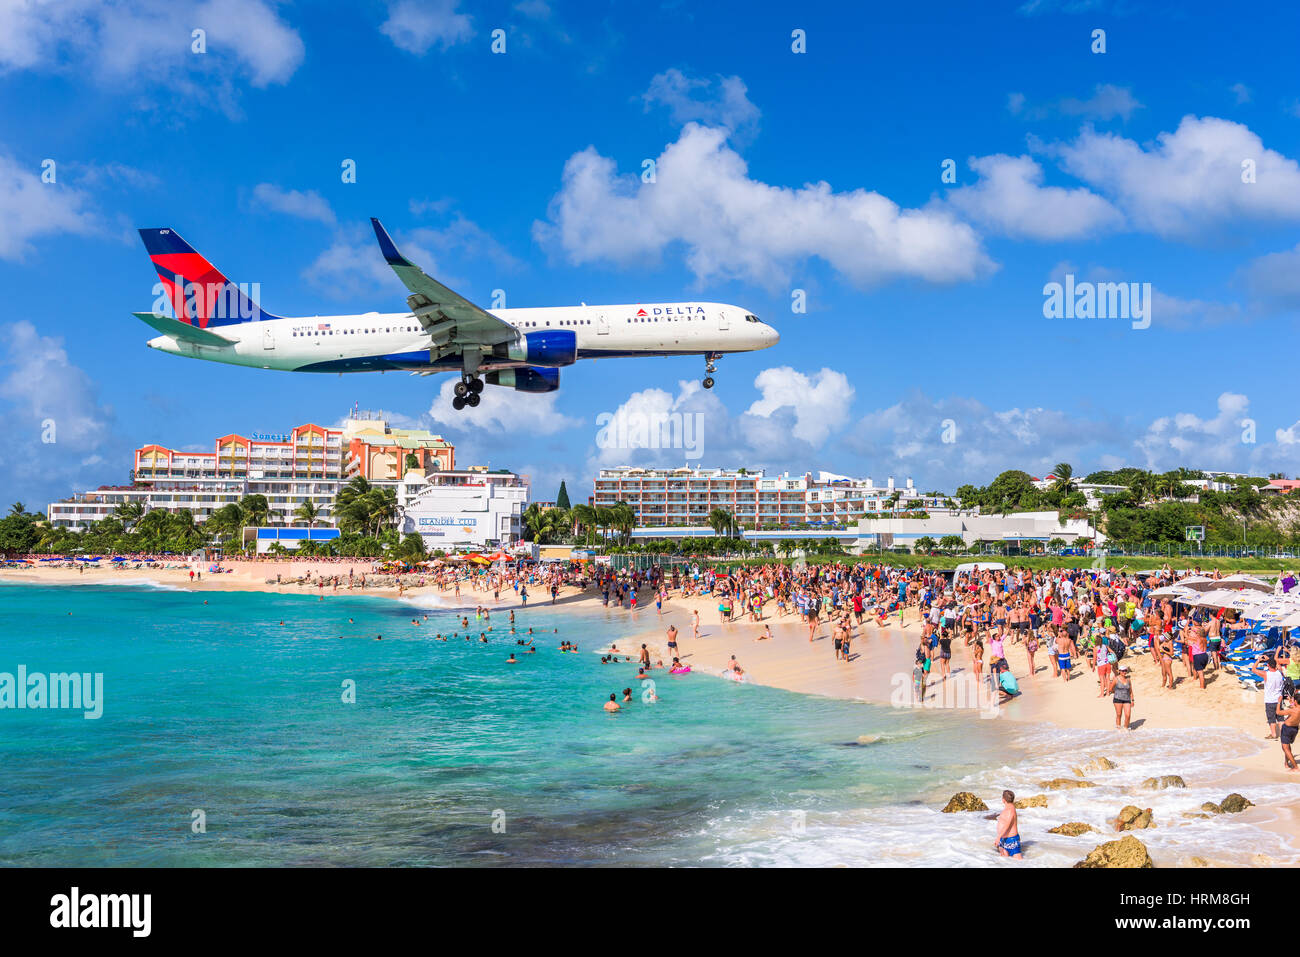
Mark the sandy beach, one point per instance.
(879, 671)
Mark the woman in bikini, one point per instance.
(1123, 698)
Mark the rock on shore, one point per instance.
(964, 801)
(1164, 781)
(1071, 829)
(1096, 764)
(1128, 851)
(1234, 803)
(1134, 818)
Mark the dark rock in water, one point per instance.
(1164, 781)
(964, 801)
(1134, 818)
(1128, 851)
(1038, 800)
(1234, 803)
(1072, 829)
(1059, 784)
(1211, 807)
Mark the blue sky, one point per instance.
(924, 350)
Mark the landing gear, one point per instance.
(710, 367)
(468, 392)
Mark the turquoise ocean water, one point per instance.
(217, 707)
(220, 708)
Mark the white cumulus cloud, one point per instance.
(820, 402)
(722, 101)
(733, 226)
(502, 410)
(1189, 181)
(302, 205)
(30, 208)
(417, 25)
(1011, 199)
(148, 42)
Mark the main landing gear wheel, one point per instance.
(458, 402)
(708, 382)
(461, 389)
(473, 399)
(475, 386)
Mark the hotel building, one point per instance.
(684, 497)
(476, 507)
(310, 463)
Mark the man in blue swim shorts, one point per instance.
(1063, 660)
(1008, 830)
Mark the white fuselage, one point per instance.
(388, 341)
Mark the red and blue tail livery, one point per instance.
(199, 293)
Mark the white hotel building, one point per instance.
(474, 507)
(684, 497)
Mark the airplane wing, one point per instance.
(450, 319)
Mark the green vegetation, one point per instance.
(1154, 509)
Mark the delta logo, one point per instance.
(670, 311)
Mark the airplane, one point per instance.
(522, 349)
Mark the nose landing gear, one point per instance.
(710, 366)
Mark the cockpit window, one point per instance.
(751, 318)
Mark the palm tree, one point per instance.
(893, 501)
(786, 547)
(130, 513)
(309, 513)
(604, 520)
(543, 525)
(951, 543)
(624, 520)
(254, 509)
(583, 516)
(380, 506)
(1064, 473)
(720, 520)
(17, 508)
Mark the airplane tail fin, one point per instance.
(200, 294)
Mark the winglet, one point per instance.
(387, 247)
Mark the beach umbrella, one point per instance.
(1218, 598)
(1246, 582)
(1199, 583)
(1177, 592)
